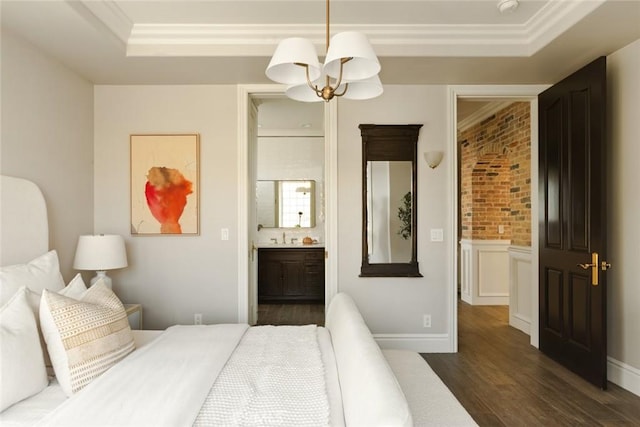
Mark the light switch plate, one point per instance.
(437, 235)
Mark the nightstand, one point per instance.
(134, 313)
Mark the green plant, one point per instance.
(404, 214)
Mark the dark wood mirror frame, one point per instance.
(390, 143)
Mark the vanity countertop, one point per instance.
(271, 245)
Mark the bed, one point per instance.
(105, 374)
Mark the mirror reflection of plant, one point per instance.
(404, 214)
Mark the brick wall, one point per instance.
(495, 177)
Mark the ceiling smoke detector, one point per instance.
(507, 6)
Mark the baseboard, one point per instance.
(421, 343)
(520, 323)
(624, 375)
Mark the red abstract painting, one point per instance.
(166, 191)
(164, 184)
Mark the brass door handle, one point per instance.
(595, 266)
(586, 266)
(254, 248)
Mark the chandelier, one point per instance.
(350, 68)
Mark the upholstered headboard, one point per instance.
(24, 228)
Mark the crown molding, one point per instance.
(526, 39)
(556, 17)
(387, 40)
(106, 16)
(482, 113)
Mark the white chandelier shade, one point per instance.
(283, 67)
(302, 92)
(357, 90)
(351, 44)
(364, 89)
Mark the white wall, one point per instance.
(172, 277)
(623, 69)
(47, 137)
(394, 307)
(294, 158)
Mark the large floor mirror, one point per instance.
(389, 218)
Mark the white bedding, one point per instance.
(172, 369)
(178, 367)
(29, 411)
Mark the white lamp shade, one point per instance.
(99, 253)
(364, 89)
(302, 92)
(351, 44)
(283, 68)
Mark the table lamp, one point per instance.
(100, 253)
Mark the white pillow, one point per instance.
(41, 273)
(22, 373)
(371, 394)
(84, 337)
(75, 289)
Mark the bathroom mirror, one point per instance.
(285, 204)
(389, 211)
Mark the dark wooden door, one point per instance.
(572, 194)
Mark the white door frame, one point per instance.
(244, 94)
(515, 92)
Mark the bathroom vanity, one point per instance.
(290, 273)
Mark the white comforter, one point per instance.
(167, 382)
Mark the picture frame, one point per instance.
(165, 185)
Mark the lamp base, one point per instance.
(101, 275)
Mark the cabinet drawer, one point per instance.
(314, 254)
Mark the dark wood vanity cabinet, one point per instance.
(290, 275)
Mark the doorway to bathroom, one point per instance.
(289, 195)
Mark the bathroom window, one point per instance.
(286, 204)
(296, 203)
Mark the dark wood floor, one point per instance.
(503, 381)
(291, 314)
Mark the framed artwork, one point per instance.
(164, 184)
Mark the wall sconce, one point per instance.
(433, 158)
(100, 253)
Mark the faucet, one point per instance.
(293, 240)
(284, 238)
(274, 240)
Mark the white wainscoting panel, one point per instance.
(520, 288)
(485, 272)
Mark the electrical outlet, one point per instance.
(197, 319)
(426, 321)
